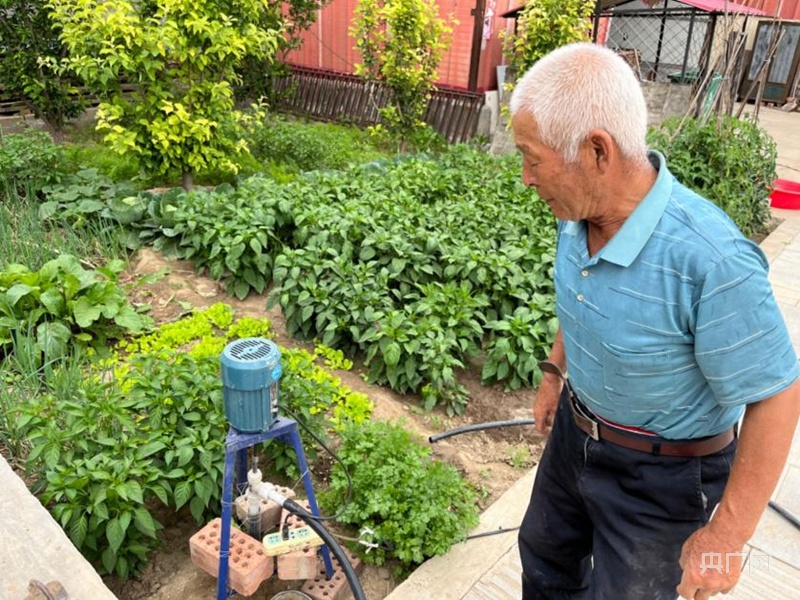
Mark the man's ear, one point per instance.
(603, 150)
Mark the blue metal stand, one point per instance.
(236, 445)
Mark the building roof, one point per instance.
(710, 6)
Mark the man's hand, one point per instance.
(711, 565)
(544, 410)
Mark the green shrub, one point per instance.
(417, 507)
(407, 261)
(517, 343)
(360, 253)
(729, 161)
(308, 146)
(90, 154)
(28, 162)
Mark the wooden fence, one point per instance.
(10, 105)
(338, 97)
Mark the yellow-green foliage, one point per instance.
(171, 336)
(206, 332)
(334, 359)
(545, 25)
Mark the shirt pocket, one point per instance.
(640, 381)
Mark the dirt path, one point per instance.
(492, 460)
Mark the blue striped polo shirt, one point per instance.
(672, 326)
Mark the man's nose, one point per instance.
(527, 177)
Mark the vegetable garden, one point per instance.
(417, 267)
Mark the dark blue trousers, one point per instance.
(607, 523)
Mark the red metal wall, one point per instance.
(328, 44)
(790, 9)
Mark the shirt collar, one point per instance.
(627, 243)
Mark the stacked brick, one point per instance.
(248, 566)
(270, 512)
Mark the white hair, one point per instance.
(579, 88)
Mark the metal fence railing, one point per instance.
(663, 44)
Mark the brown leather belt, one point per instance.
(600, 431)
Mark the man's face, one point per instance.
(564, 187)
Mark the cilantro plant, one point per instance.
(418, 507)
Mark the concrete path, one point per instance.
(33, 546)
(489, 568)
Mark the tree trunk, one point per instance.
(188, 180)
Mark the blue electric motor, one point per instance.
(251, 372)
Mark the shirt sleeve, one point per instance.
(741, 342)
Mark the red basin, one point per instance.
(785, 194)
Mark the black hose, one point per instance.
(349, 572)
(479, 427)
(785, 513)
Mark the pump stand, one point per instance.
(236, 445)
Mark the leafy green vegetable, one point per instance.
(417, 507)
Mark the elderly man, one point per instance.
(671, 336)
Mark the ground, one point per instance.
(491, 460)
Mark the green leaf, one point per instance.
(53, 301)
(109, 559)
(129, 319)
(17, 292)
(78, 529)
(202, 488)
(53, 339)
(135, 491)
(149, 449)
(86, 312)
(183, 491)
(391, 355)
(185, 454)
(48, 210)
(241, 288)
(114, 534)
(144, 522)
(197, 508)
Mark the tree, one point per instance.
(293, 17)
(401, 44)
(544, 25)
(182, 57)
(26, 35)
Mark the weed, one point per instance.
(520, 457)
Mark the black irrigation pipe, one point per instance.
(785, 513)
(479, 427)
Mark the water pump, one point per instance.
(251, 371)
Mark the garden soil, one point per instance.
(491, 460)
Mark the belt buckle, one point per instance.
(586, 423)
(595, 434)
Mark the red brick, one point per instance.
(270, 512)
(301, 564)
(248, 566)
(322, 588)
